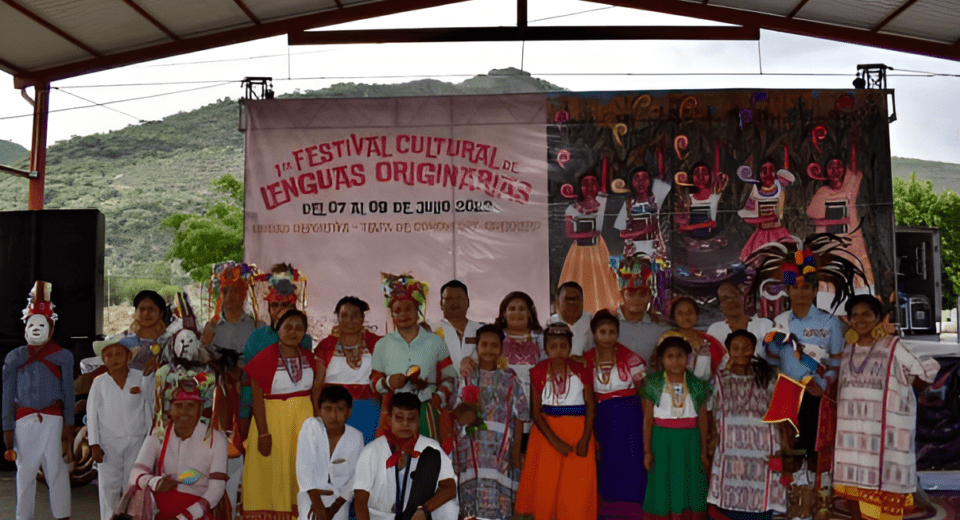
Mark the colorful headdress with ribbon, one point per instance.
(635, 272)
(38, 301)
(231, 274)
(178, 383)
(822, 257)
(284, 284)
(404, 287)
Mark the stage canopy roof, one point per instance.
(48, 40)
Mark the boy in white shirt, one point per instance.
(327, 453)
(119, 415)
(405, 472)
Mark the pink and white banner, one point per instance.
(438, 187)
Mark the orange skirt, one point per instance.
(553, 487)
(589, 266)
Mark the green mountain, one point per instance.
(139, 175)
(12, 154)
(944, 176)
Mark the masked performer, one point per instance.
(38, 408)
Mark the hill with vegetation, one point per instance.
(12, 154)
(944, 176)
(142, 174)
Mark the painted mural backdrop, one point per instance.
(690, 183)
(523, 192)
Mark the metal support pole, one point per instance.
(38, 150)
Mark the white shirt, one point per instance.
(114, 412)
(194, 453)
(582, 335)
(458, 348)
(373, 477)
(317, 468)
(759, 327)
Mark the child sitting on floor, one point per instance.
(403, 474)
(119, 415)
(327, 453)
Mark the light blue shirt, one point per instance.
(821, 334)
(35, 386)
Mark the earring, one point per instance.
(878, 332)
(851, 336)
(502, 363)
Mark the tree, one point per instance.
(215, 236)
(916, 204)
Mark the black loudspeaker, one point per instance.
(63, 247)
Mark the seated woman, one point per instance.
(345, 357)
(708, 353)
(559, 478)
(185, 464)
(285, 394)
(875, 401)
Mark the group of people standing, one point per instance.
(608, 415)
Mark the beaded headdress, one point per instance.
(635, 272)
(404, 287)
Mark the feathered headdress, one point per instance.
(823, 257)
(404, 287)
(175, 383)
(230, 274)
(38, 301)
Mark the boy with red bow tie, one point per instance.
(404, 475)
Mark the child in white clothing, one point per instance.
(327, 453)
(119, 414)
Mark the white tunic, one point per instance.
(317, 468)
(118, 419)
(373, 477)
(459, 348)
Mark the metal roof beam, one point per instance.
(946, 51)
(149, 17)
(246, 10)
(539, 33)
(19, 173)
(903, 7)
(12, 69)
(797, 9)
(50, 27)
(232, 36)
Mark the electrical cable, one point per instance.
(124, 100)
(98, 104)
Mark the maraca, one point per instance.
(413, 372)
(10, 455)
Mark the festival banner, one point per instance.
(693, 182)
(438, 187)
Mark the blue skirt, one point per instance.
(619, 430)
(365, 417)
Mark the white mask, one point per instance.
(37, 330)
(186, 345)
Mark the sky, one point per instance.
(927, 107)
